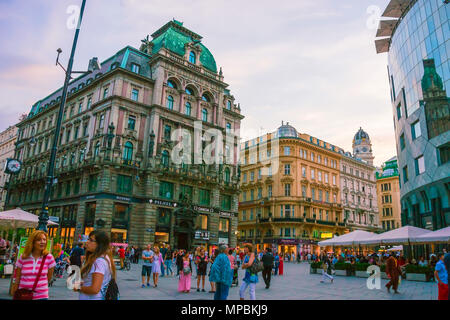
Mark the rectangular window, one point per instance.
(76, 187)
(269, 191)
(185, 191)
(85, 129)
(135, 94)
(399, 112)
(131, 122)
(319, 173)
(252, 195)
(89, 103)
(287, 169)
(287, 151)
(92, 183)
(204, 197)
(443, 154)
(135, 68)
(420, 165)
(224, 225)
(252, 176)
(226, 202)
(312, 174)
(313, 193)
(287, 189)
(166, 190)
(167, 132)
(303, 191)
(415, 130)
(245, 177)
(105, 93)
(259, 193)
(303, 172)
(75, 132)
(402, 141)
(326, 177)
(334, 180)
(202, 222)
(124, 184)
(68, 188)
(405, 174)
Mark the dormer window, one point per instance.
(135, 68)
(229, 105)
(192, 57)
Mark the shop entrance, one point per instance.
(182, 241)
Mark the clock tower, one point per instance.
(362, 147)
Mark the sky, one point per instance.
(309, 62)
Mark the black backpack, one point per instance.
(112, 290)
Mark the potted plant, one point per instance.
(341, 268)
(416, 273)
(361, 270)
(314, 266)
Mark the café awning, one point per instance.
(18, 218)
(349, 239)
(438, 236)
(403, 235)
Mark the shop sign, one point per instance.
(223, 240)
(326, 235)
(89, 197)
(53, 219)
(163, 203)
(307, 241)
(203, 209)
(288, 241)
(226, 214)
(123, 198)
(202, 235)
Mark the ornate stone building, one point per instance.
(7, 145)
(388, 191)
(115, 165)
(358, 185)
(290, 194)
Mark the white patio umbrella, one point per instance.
(18, 218)
(396, 248)
(348, 239)
(403, 235)
(441, 235)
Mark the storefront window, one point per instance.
(90, 214)
(224, 224)
(202, 222)
(92, 184)
(163, 217)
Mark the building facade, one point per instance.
(388, 191)
(7, 145)
(290, 195)
(116, 165)
(419, 72)
(358, 185)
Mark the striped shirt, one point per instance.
(30, 269)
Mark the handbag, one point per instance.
(26, 294)
(186, 271)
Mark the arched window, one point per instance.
(165, 158)
(128, 151)
(229, 105)
(227, 175)
(171, 84)
(205, 98)
(188, 109)
(81, 159)
(205, 115)
(170, 102)
(192, 57)
(189, 91)
(96, 149)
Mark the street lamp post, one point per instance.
(43, 217)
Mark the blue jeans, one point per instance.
(221, 291)
(162, 269)
(168, 263)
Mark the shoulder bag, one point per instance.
(27, 294)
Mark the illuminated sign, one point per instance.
(326, 235)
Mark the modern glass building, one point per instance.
(416, 35)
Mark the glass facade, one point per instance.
(419, 76)
(424, 33)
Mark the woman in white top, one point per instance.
(97, 271)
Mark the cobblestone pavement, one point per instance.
(296, 284)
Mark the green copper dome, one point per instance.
(173, 36)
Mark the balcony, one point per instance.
(288, 219)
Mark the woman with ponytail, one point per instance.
(98, 268)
